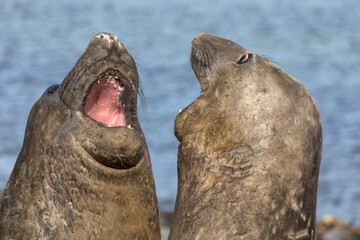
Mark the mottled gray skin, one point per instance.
(74, 178)
(250, 149)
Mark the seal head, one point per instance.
(249, 152)
(84, 170)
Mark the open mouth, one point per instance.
(104, 103)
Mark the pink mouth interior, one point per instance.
(102, 104)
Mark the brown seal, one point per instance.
(84, 170)
(250, 150)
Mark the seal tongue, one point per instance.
(102, 103)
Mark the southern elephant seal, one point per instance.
(84, 170)
(249, 152)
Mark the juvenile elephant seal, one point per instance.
(84, 170)
(250, 149)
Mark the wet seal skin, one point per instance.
(84, 170)
(250, 150)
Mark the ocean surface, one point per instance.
(316, 41)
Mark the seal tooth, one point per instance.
(103, 124)
(109, 124)
(116, 77)
(129, 126)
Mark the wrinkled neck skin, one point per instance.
(76, 178)
(249, 152)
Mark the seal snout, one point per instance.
(203, 38)
(108, 40)
(107, 36)
(199, 41)
(197, 38)
(202, 58)
(202, 49)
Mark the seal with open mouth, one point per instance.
(250, 149)
(84, 170)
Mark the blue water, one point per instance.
(316, 41)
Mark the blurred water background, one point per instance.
(316, 41)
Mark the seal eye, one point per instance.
(244, 58)
(53, 88)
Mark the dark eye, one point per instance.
(53, 88)
(244, 58)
